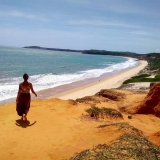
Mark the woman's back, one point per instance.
(25, 87)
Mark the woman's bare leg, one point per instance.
(26, 111)
(25, 116)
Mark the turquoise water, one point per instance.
(48, 69)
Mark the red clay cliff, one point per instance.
(151, 103)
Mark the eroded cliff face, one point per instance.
(103, 95)
(151, 103)
(157, 110)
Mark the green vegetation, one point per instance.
(131, 145)
(96, 112)
(142, 78)
(153, 59)
(112, 53)
(121, 126)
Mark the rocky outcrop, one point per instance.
(104, 95)
(151, 103)
(90, 99)
(157, 110)
(110, 94)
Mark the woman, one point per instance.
(24, 97)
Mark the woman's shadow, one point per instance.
(24, 124)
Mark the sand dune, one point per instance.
(57, 129)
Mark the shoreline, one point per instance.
(51, 92)
(111, 81)
(85, 87)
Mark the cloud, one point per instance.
(145, 33)
(18, 14)
(81, 2)
(137, 8)
(102, 23)
(119, 6)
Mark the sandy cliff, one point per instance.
(57, 129)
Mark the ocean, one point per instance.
(49, 69)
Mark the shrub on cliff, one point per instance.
(96, 112)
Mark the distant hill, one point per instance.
(54, 49)
(113, 53)
(97, 52)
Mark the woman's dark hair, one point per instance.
(25, 76)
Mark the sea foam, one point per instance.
(9, 86)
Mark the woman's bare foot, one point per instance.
(25, 118)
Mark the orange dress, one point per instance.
(24, 99)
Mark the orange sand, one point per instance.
(57, 129)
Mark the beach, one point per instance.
(79, 80)
(58, 128)
(113, 81)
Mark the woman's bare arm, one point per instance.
(19, 91)
(33, 90)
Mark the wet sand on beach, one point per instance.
(113, 81)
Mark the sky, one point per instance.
(113, 25)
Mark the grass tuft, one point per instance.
(122, 126)
(131, 145)
(96, 112)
